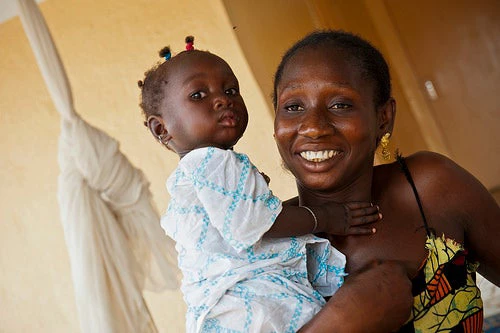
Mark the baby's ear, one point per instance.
(386, 115)
(156, 125)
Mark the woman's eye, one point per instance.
(197, 95)
(340, 106)
(294, 108)
(232, 92)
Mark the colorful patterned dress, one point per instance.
(446, 297)
(233, 279)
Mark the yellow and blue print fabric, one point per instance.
(446, 298)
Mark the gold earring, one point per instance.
(384, 143)
(160, 140)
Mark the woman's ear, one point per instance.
(386, 115)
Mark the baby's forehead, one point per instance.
(195, 64)
(196, 57)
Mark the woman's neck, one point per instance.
(358, 190)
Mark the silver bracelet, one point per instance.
(314, 217)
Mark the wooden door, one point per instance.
(454, 49)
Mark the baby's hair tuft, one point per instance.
(165, 53)
(189, 43)
(155, 79)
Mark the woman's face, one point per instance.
(326, 120)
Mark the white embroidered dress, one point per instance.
(233, 279)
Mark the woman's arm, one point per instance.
(482, 228)
(377, 299)
(456, 192)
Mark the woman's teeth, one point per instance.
(319, 156)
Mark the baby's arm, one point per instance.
(332, 218)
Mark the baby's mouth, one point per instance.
(228, 118)
(319, 156)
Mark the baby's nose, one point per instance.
(222, 101)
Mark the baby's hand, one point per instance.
(356, 219)
(266, 177)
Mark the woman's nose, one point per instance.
(222, 101)
(315, 124)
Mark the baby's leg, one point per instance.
(235, 314)
(262, 306)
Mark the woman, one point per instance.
(332, 98)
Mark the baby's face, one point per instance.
(202, 105)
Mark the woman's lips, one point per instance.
(318, 156)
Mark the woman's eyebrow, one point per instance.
(297, 86)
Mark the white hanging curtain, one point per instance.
(115, 243)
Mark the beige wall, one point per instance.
(106, 45)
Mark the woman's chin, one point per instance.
(317, 173)
(321, 182)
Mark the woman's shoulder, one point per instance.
(433, 166)
(439, 169)
(436, 185)
(435, 176)
(422, 164)
(428, 159)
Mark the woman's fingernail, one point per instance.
(380, 216)
(374, 230)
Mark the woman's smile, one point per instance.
(318, 161)
(319, 156)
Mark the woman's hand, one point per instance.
(376, 299)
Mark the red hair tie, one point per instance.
(189, 43)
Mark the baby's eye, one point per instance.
(197, 95)
(294, 108)
(340, 106)
(232, 92)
